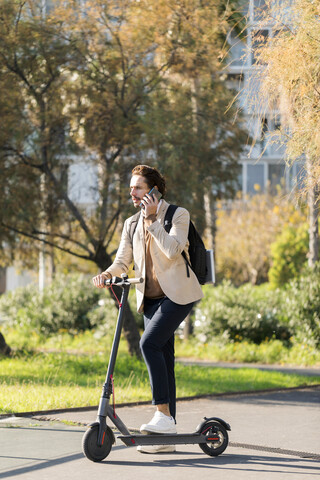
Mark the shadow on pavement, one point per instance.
(253, 462)
(44, 464)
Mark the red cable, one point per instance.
(120, 304)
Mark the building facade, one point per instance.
(263, 164)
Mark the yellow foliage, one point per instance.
(276, 210)
(245, 233)
(291, 76)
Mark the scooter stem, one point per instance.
(107, 387)
(116, 339)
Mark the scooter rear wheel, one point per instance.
(217, 438)
(90, 444)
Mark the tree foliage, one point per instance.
(203, 142)
(35, 135)
(81, 83)
(99, 83)
(246, 231)
(286, 81)
(288, 254)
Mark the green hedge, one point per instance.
(69, 303)
(301, 306)
(252, 313)
(256, 313)
(249, 312)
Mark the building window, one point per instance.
(276, 176)
(239, 181)
(255, 178)
(300, 175)
(259, 38)
(238, 50)
(264, 131)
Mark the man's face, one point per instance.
(138, 189)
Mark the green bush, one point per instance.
(257, 313)
(301, 306)
(244, 313)
(288, 254)
(69, 303)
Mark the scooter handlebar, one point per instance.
(134, 281)
(123, 280)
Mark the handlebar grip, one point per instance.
(109, 281)
(119, 281)
(135, 280)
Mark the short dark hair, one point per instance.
(153, 177)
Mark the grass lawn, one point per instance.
(41, 381)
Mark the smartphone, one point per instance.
(155, 193)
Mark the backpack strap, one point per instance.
(167, 220)
(133, 225)
(168, 217)
(167, 226)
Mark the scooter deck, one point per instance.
(169, 439)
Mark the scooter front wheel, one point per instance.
(90, 444)
(217, 438)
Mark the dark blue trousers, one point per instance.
(161, 318)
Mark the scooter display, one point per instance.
(211, 434)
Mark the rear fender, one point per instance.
(217, 419)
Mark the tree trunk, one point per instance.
(130, 329)
(3, 280)
(187, 329)
(211, 217)
(4, 347)
(198, 200)
(52, 265)
(42, 251)
(313, 203)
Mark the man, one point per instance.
(167, 295)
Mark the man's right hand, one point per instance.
(98, 280)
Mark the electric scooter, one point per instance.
(211, 434)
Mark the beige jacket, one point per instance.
(166, 248)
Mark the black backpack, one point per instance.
(197, 250)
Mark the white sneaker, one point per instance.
(160, 423)
(156, 448)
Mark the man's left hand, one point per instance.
(150, 204)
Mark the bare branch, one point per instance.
(46, 242)
(114, 220)
(70, 205)
(61, 191)
(26, 160)
(63, 237)
(22, 4)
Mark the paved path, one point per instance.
(275, 436)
